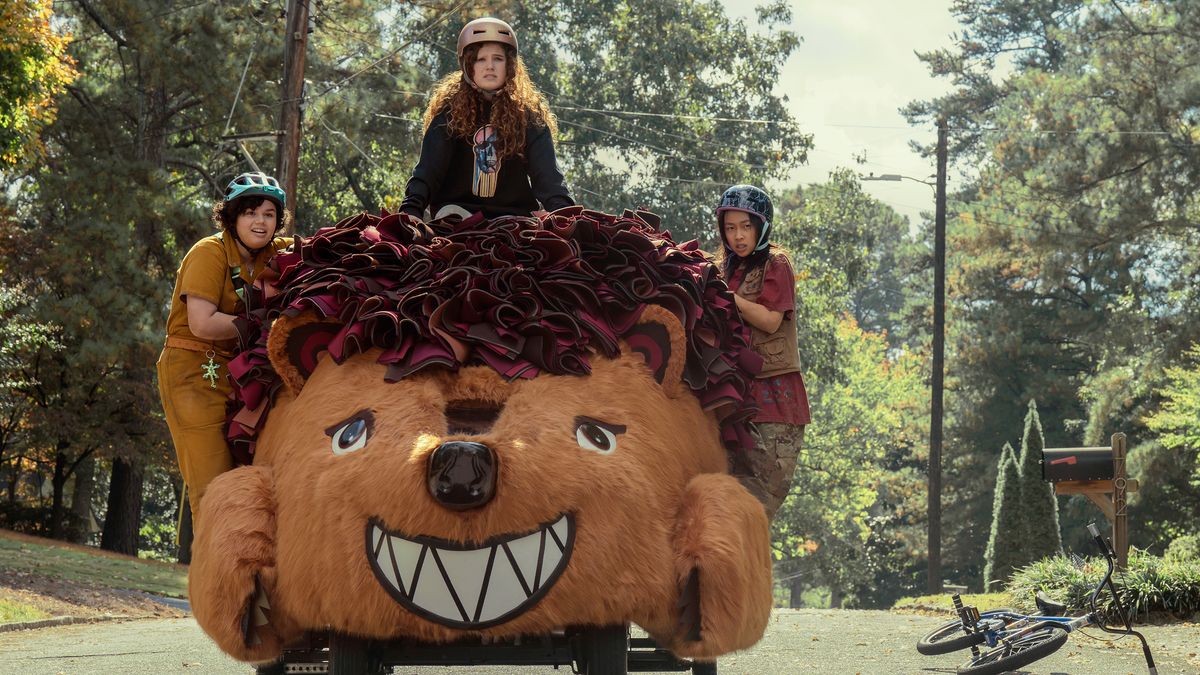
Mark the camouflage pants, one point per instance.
(767, 470)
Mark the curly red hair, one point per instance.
(513, 107)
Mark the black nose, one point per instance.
(462, 475)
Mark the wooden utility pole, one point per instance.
(939, 353)
(287, 151)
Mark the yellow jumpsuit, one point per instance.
(194, 408)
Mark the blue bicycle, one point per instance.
(1004, 639)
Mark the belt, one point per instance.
(191, 345)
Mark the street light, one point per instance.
(939, 354)
(896, 178)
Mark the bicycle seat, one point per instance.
(1048, 607)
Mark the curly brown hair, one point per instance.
(225, 213)
(513, 107)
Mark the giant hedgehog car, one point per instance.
(485, 430)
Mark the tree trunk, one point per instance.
(124, 516)
(81, 501)
(795, 591)
(836, 596)
(15, 479)
(58, 482)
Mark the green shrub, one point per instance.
(984, 602)
(1186, 547)
(1151, 584)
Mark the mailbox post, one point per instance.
(1098, 473)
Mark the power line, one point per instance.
(238, 94)
(659, 150)
(704, 118)
(434, 24)
(352, 144)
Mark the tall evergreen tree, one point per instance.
(1005, 540)
(1039, 505)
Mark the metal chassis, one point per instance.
(558, 649)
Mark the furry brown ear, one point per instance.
(294, 345)
(658, 337)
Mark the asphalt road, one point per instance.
(798, 641)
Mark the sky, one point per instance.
(846, 82)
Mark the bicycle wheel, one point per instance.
(950, 637)
(947, 638)
(1038, 643)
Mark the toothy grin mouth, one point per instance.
(470, 585)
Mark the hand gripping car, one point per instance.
(484, 434)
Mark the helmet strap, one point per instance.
(253, 251)
(487, 95)
(764, 239)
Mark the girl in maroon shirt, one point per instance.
(761, 278)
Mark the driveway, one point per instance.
(798, 641)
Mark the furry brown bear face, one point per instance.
(472, 502)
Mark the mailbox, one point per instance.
(1061, 464)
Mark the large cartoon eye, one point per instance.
(351, 434)
(597, 436)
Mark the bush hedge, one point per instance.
(1151, 585)
(1186, 547)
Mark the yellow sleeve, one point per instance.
(204, 271)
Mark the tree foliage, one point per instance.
(851, 522)
(1073, 268)
(1177, 420)
(34, 69)
(1039, 535)
(1005, 538)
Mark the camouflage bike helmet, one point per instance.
(752, 200)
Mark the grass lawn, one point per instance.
(57, 560)
(13, 612)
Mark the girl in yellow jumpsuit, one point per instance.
(192, 370)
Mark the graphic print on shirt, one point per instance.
(487, 162)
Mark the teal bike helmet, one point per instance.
(256, 184)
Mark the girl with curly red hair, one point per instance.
(489, 136)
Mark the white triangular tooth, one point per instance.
(262, 600)
(407, 553)
(384, 561)
(504, 592)
(255, 640)
(431, 593)
(260, 619)
(466, 570)
(551, 557)
(561, 528)
(526, 552)
(376, 535)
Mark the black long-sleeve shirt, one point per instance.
(459, 171)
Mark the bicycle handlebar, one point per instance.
(1110, 557)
